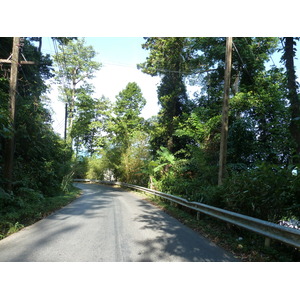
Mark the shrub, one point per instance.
(268, 192)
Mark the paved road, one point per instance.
(110, 225)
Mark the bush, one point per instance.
(268, 192)
(95, 168)
(80, 167)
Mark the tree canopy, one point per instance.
(176, 151)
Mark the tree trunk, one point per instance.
(292, 95)
(40, 44)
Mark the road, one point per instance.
(108, 224)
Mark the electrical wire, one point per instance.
(61, 123)
(270, 55)
(243, 65)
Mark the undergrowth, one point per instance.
(31, 208)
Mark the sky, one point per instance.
(134, 280)
(119, 58)
(158, 18)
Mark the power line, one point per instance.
(270, 55)
(243, 65)
(119, 64)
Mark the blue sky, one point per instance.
(125, 50)
(119, 57)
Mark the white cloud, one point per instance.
(110, 81)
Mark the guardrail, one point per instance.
(270, 230)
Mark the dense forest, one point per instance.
(176, 151)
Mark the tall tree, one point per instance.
(168, 59)
(90, 123)
(248, 64)
(40, 156)
(293, 97)
(75, 67)
(125, 130)
(127, 110)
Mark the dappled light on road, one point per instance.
(110, 225)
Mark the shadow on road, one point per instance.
(58, 227)
(87, 205)
(175, 240)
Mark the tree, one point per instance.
(128, 107)
(41, 158)
(75, 66)
(260, 122)
(90, 122)
(293, 97)
(248, 64)
(168, 58)
(125, 129)
(135, 158)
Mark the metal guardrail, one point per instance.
(270, 230)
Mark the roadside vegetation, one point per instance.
(31, 207)
(41, 179)
(178, 150)
(243, 244)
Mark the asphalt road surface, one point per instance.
(108, 224)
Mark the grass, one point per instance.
(243, 244)
(13, 221)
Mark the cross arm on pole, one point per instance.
(22, 62)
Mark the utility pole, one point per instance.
(225, 111)
(10, 142)
(66, 121)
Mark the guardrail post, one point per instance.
(267, 242)
(270, 230)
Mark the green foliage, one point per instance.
(125, 144)
(292, 93)
(129, 164)
(96, 168)
(48, 162)
(14, 228)
(169, 58)
(176, 151)
(128, 106)
(90, 122)
(262, 119)
(42, 161)
(28, 207)
(75, 67)
(67, 182)
(80, 167)
(76, 58)
(267, 192)
(5, 126)
(259, 130)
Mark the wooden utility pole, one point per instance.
(10, 142)
(225, 111)
(66, 121)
